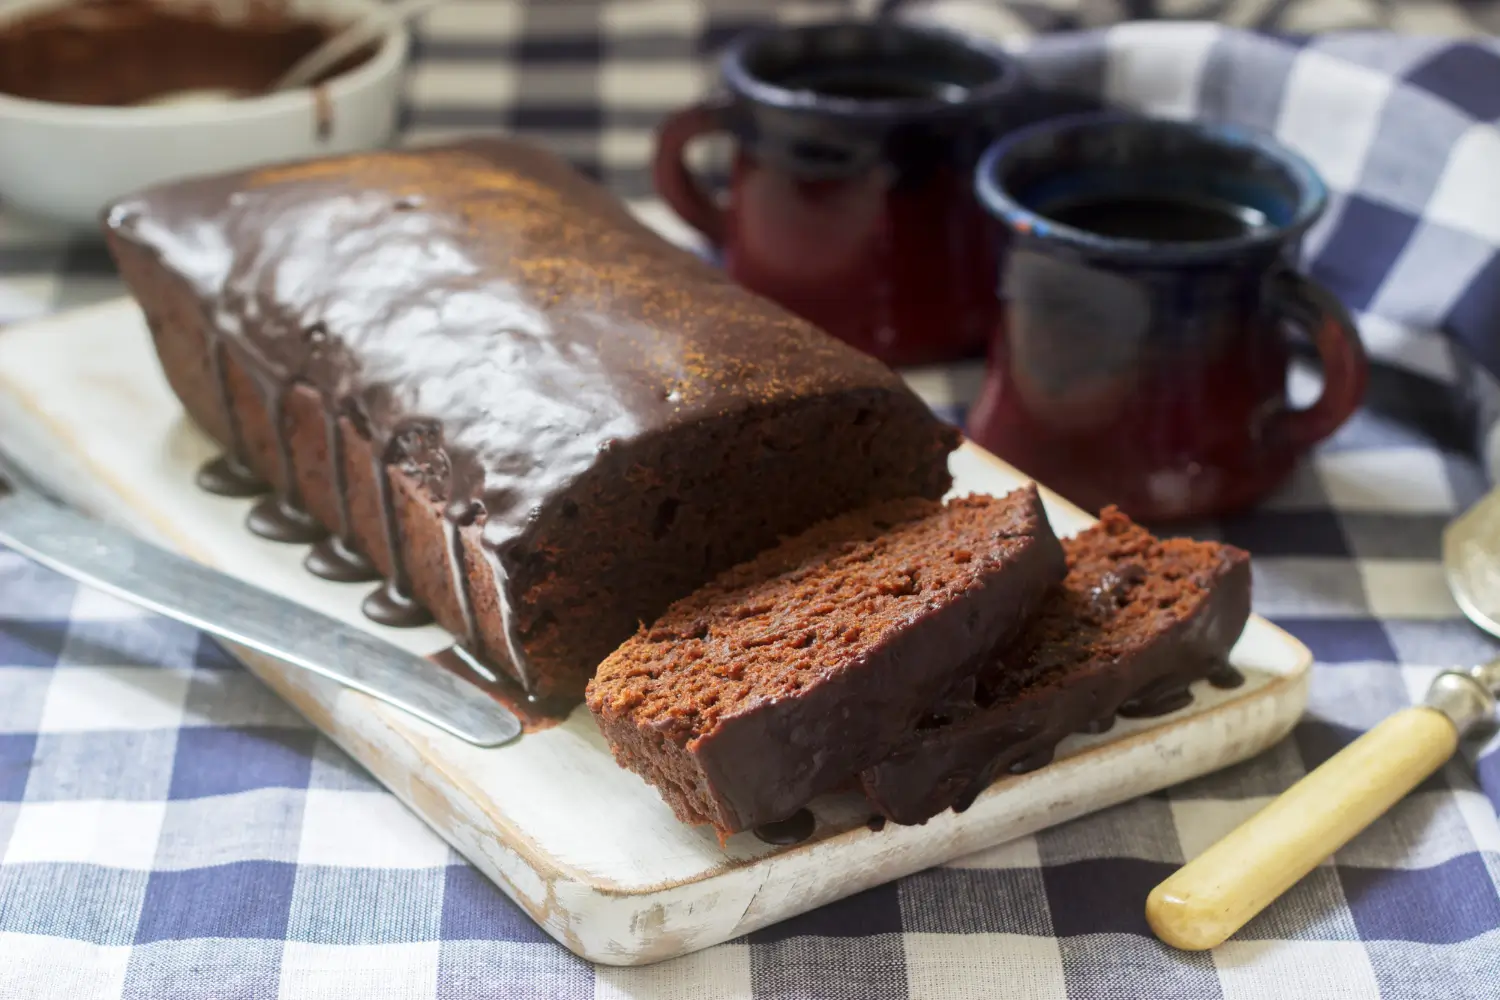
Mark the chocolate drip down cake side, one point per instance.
(469, 373)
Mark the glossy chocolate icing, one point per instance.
(451, 305)
(226, 477)
(534, 714)
(332, 559)
(793, 830)
(281, 519)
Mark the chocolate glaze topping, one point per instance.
(281, 519)
(1158, 700)
(793, 830)
(448, 307)
(226, 477)
(535, 714)
(389, 605)
(1105, 598)
(1225, 677)
(332, 559)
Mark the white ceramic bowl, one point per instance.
(65, 162)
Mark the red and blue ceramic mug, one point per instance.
(1150, 289)
(851, 197)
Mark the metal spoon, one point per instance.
(1471, 562)
(340, 46)
(1214, 895)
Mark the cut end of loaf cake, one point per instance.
(787, 673)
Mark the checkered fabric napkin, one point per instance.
(169, 829)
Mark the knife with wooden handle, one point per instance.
(1208, 899)
(109, 559)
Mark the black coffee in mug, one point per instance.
(1150, 286)
(873, 83)
(851, 195)
(1179, 219)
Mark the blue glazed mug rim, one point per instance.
(1312, 193)
(742, 82)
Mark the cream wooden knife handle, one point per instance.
(1215, 894)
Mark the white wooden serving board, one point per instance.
(588, 849)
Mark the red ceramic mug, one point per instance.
(851, 197)
(1150, 287)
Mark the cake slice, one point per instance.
(791, 672)
(1136, 621)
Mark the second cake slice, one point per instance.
(787, 674)
(1135, 622)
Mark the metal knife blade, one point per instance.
(101, 556)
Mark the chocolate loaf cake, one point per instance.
(494, 388)
(786, 675)
(1135, 622)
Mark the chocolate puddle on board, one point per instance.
(793, 830)
(332, 559)
(535, 714)
(279, 517)
(225, 477)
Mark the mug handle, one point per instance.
(1309, 305)
(669, 171)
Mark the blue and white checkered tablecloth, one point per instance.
(168, 828)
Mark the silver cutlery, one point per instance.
(106, 558)
(1211, 897)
